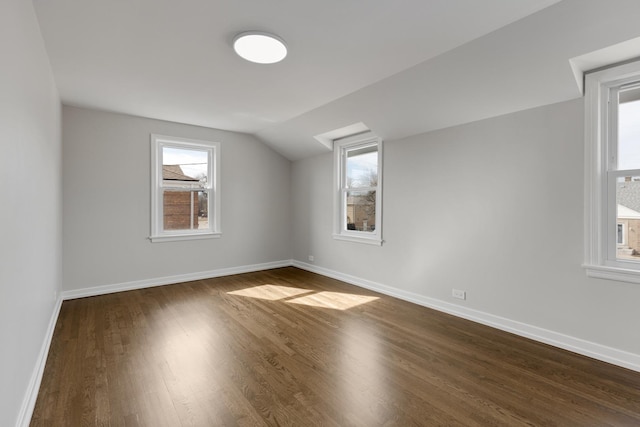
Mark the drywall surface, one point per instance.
(30, 203)
(494, 208)
(517, 67)
(107, 202)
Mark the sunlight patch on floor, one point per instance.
(335, 300)
(270, 292)
(323, 299)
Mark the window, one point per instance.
(620, 236)
(612, 217)
(185, 199)
(358, 189)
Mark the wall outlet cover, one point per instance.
(456, 293)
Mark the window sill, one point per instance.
(178, 237)
(357, 239)
(612, 273)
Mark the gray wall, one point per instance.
(107, 202)
(494, 208)
(30, 202)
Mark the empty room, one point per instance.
(340, 213)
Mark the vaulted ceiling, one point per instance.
(400, 67)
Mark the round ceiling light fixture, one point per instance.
(260, 47)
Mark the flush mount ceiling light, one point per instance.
(260, 47)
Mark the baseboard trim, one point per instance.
(29, 402)
(169, 280)
(576, 345)
(566, 342)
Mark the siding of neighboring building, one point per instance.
(631, 234)
(361, 213)
(628, 195)
(180, 207)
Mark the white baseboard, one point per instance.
(576, 345)
(169, 280)
(29, 402)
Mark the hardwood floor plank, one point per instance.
(288, 347)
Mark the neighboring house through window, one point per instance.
(621, 240)
(184, 195)
(358, 189)
(612, 218)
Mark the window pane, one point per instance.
(362, 167)
(361, 210)
(185, 210)
(184, 165)
(629, 130)
(628, 217)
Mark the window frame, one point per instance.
(340, 148)
(158, 234)
(601, 173)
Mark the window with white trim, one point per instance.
(612, 153)
(185, 199)
(358, 189)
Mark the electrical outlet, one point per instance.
(311, 258)
(456, 293)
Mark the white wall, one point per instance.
(494, 208)
(30, 203)
(107, 202)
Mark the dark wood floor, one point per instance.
(288, 347)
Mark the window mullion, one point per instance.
(361, 189)
(623, 173)
(611, 215)
(612, 129)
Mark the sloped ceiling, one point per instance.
(401, 67)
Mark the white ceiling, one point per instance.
(401, 67)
